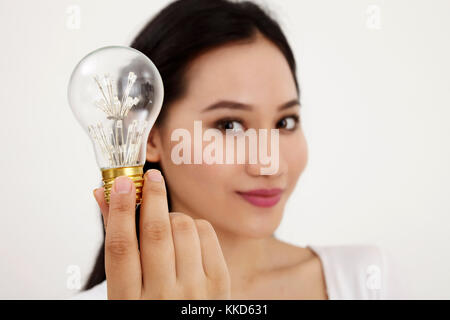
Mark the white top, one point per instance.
(352, 272)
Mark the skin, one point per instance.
(234, 237)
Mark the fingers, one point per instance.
(175, 250)
(188, 254)
(156, 244)
(214, 263)
(99, 195)
(122, 263)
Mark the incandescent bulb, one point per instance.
(116, 94)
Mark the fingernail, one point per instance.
(122, 184)
(99, 191)
(154, 175)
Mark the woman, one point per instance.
(217, 242)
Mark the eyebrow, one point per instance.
(225, 104)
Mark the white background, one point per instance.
(376, 112)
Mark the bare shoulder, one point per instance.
(287, 255)
(302, 271)
(310, 273)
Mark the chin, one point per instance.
(258, 233)
(256, 224)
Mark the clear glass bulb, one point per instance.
(116, 94)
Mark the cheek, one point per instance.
(189, 183)
(295, 154)
(204, 176)
(212, 178)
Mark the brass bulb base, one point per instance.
(134, 173)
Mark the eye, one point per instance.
(289, 123)
(234, 125)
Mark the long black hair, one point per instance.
(182, 31)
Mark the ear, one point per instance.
(154, 145)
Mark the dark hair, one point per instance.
(182, 31)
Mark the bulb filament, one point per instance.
(118, 151)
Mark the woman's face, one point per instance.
(256, 74)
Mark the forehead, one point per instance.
(255, 72)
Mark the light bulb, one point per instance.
(116, 94)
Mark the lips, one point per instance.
(262, 197)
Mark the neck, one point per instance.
(246, 257)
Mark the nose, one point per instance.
(264, 159)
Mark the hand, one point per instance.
(178, 257)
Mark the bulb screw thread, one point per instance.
(135, 173)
